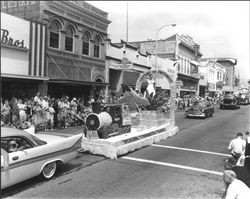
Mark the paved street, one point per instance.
(188, 165)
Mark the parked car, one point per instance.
(24, 155)
(201, 109)
(230, 101)
(244, 99)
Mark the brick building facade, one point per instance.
(77, 33)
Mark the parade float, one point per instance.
(136, 121)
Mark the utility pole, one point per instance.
(127, 25)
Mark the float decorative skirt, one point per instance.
(125, 143)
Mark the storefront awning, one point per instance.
(76, 82)
(182, 76)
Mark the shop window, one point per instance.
(69, 39)
(54, 34)
(85, 43)
(97, 44)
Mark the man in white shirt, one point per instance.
(237, 146)
(236, 189)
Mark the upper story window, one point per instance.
(85, 43)
(54, 34)
(69, 39)
(97, 46)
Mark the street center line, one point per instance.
(194, 150)
(173, 165)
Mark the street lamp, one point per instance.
(156, 45)
(156, 41)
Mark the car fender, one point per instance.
(50, 161)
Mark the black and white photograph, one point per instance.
(125, 99)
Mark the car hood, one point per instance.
(195, 107)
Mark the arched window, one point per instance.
(54, 34)
(69, 39)
(97, 48)
(85, 43)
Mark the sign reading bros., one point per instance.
(7, 40)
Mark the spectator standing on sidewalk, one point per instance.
(247, 150)
(242, 172)
(235, 188)
(46, 114)
(37, 98)
(237, 146)
(22, 110)
(247, 137)
(50, 117)
(5, 111)
(15, 113)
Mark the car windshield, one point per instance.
(201, 103)
(38, 141)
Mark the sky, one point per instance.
(221, 28)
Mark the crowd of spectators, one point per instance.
(181, 103)
(45, 111)
(64, 112)
(236, 176)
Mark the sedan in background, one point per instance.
(244, 99)
(24, 155)
(230, 101)
(202, 109)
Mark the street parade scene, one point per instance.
(125, 99)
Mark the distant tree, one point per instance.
(248, 81)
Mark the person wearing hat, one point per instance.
(235, 188)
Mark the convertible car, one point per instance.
(24, 155)
(201, 109)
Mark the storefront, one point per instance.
(23, 60)
(190, 85)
